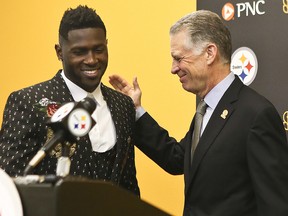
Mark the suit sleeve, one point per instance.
(268, 163)
(18, 137)
(155, 142)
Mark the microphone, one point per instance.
(70, 121)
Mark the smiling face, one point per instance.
(84, 56)
(189, 63)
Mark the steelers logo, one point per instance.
(244, 64)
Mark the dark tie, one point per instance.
(201, 109)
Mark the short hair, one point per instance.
(79, 18)
(204, 27)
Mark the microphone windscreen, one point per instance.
(89, 104)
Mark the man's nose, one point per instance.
(91, 58)
(175, 68)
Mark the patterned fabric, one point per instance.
(24, 131)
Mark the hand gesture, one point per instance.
(121, 85)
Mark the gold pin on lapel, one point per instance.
(224, 114)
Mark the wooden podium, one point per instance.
(71, 197)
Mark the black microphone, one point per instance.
(70, 121)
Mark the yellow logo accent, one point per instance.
(285, 120)
(285, 6)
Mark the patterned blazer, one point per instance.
(24, 131)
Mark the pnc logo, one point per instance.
(244, 64)
(228, 11)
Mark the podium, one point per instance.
(71, 197)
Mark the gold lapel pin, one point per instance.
(224, 114)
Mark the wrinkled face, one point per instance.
(84, 57)
(189, 64)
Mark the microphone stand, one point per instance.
(62, 170)
(64, 162)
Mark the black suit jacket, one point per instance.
(24, 131)
(240, 166)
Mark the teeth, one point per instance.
(90, 72)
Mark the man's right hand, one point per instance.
(121, 85)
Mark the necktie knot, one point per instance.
(90, 95)
(201, 108)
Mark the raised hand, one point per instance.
(121, 85)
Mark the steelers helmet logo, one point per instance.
(244, 64)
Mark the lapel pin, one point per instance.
(224, 114)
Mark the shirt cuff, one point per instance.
(139, 112)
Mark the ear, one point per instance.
(58, 50)
(211, 53)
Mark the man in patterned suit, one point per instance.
(107, 152)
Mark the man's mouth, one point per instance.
(182, 78)
(91, 73)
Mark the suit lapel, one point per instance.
(219, 118)
(117, 116)
(60, 92)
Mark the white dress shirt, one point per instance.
(213, 97)
(103, 134)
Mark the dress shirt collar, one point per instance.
(78, 93)
(214, 96)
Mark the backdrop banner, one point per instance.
(260, 45)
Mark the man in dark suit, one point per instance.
(240, 165)
(107, 152)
